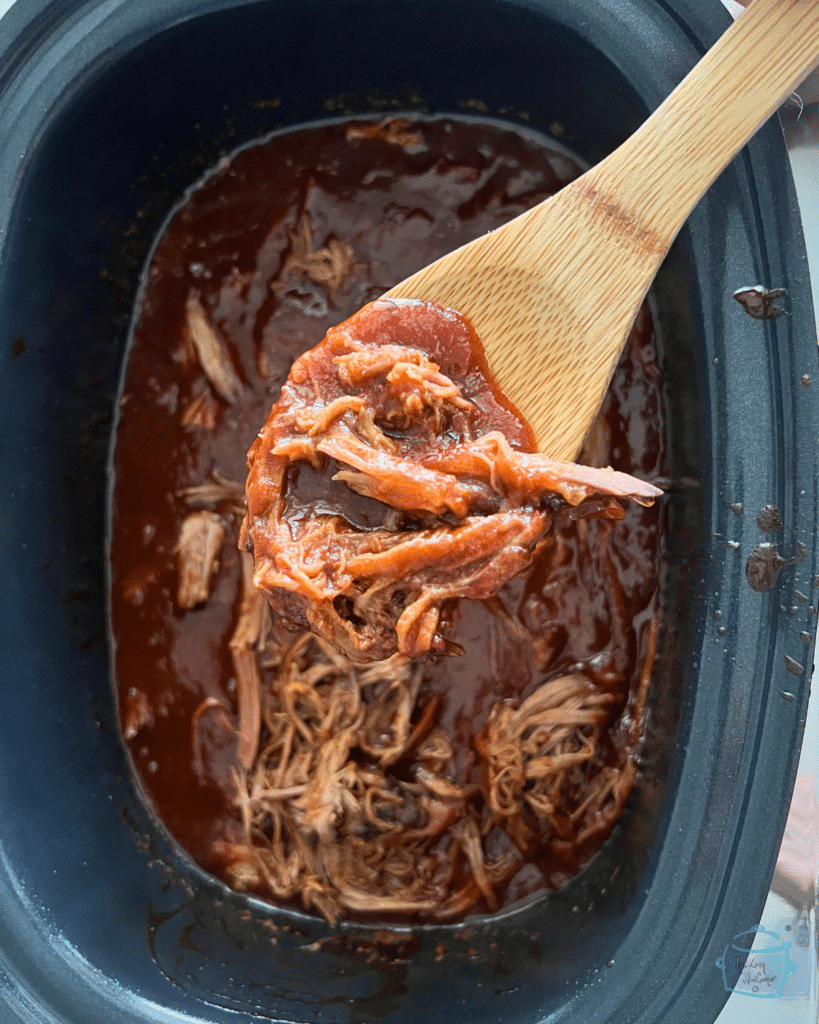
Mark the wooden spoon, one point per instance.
(554, 293)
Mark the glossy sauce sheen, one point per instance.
(399, 199)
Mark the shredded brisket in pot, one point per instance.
(426, 696)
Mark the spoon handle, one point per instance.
(554, 292)
(614, 225)
(710, 116)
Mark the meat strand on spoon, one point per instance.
(395, 405)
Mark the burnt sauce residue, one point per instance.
(281, 242)
(760, 302)
(765, 564)
(769, 520)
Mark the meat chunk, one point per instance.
(249, 635)
(397, 131)
(394, 404)
(211, 352)
(200, 542)
(329, 265)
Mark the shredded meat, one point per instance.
(468, 509)
(324, 819)
(397, 131)
(213, 492)
(313, 751)
(249, 636)
(137, 713)
(329, 822)
(201, 411)
(329, 265)
(543, 773)
(211, 353)
(200, 542)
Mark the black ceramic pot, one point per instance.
(108, 110)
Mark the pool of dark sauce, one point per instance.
(279, 243)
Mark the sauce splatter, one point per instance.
(765, 564)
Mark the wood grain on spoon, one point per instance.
(553, 293)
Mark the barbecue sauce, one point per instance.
(284, 240)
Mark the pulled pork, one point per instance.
(326, 818)
(543, 773)
(394, 402)
(356, 776)
(329, 265)
(211, 353)
(200, 542)
(353, 802)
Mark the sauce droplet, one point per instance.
(793, 666)
(736, 507)
(765, 564)
(760, 302)
(788, 696)
(805, 637)
(769, 520)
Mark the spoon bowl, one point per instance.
(554, 293)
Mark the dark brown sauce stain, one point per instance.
(399, 210)
(736, 507)
(769, 520)
(805, 637)
(760, 303)
(765, 564)
(793, 666)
